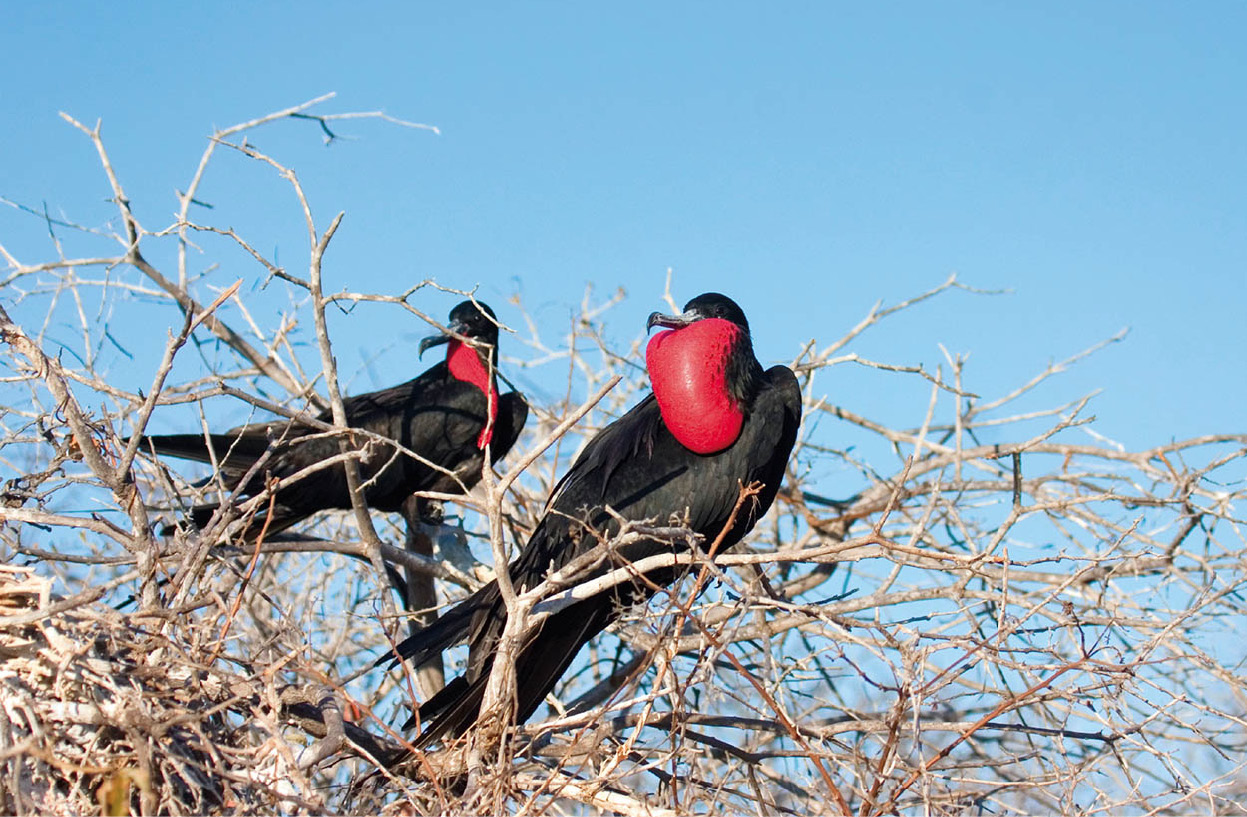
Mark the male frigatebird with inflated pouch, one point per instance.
(448, 416)
(715, 422)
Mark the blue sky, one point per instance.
(806, 160)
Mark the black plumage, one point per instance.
(639, 468)
(441, 416)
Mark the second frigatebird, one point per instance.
(716, 421)
(449, 416)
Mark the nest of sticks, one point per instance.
(105, 712)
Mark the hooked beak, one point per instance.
(438, 340)
(670, 321)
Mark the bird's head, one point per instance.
(471, 319)
(708, 305)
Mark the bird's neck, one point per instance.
(466, 364)
(703, 377)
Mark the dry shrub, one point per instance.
(1044, 623)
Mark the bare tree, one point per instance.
(1006, 613)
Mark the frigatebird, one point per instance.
(448, 416)
(714, 423)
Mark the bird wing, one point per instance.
(512, 415)
(379, 411)
(620, 441)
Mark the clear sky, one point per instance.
(806, 159)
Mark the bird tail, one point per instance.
(454, 707)
(278, 518)
(444, 632)
(540, 664)
(202, 513)
(235, 453)
(451, 711)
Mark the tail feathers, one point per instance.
(232, 452)
(279, 519)
(454, 709)
(446, 631)
(543, 663)
(199, 516)
(450, 712)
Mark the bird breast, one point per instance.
(688, 371)
(465, 364)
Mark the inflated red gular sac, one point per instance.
(690, 370)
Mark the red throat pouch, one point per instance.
(688, 370)
(465, 364)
